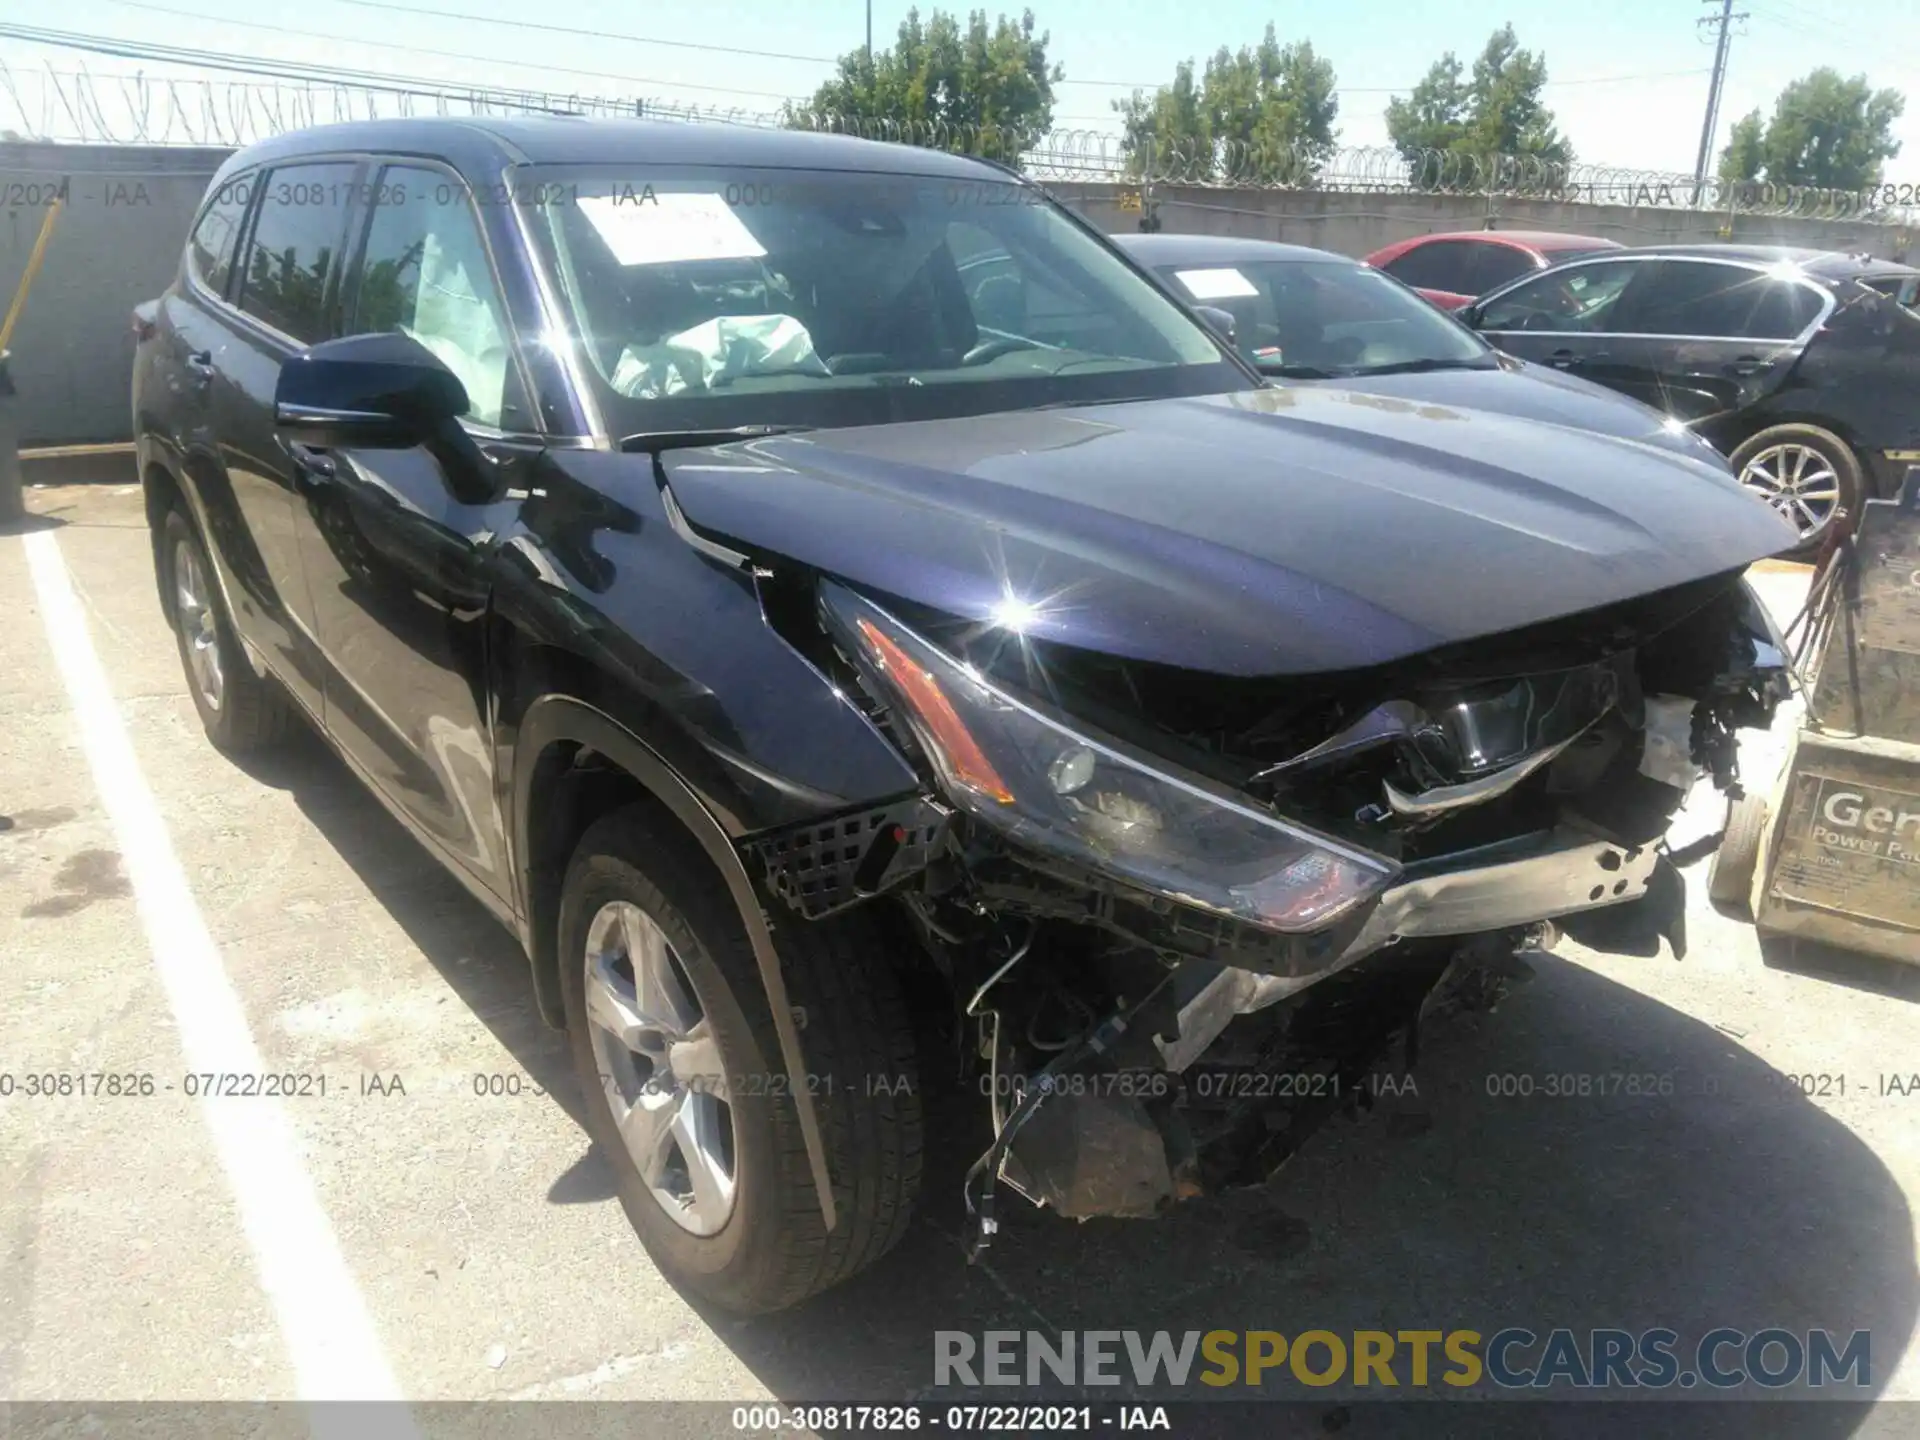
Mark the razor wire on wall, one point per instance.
(78, 105)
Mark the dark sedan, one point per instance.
(1803, 366)
(1306, 316)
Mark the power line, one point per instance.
(621, 75)
(1829, 28)
(602, 35)
(249, 65)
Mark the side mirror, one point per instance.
(1468, 315)
(1217, 319)
(378, 392)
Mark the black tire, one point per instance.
(251, 712)
(773, 1250)
(1730, 876)
(1830, 447)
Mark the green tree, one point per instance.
(1826, 131)
(1745, 153)
(1494, 111)
(1263, 112)
(977, 88)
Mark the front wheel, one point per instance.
(1806, 474)
(675, 1051)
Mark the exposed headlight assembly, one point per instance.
(1062, 789)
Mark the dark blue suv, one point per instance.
(818, 644)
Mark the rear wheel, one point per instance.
(241, 710)
(1805, 473)
(675, 1051)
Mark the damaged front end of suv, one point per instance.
(1182, 914)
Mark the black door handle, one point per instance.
(200, 365)
(1561, 359)
(1748, 365)
(310, 463)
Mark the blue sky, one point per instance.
(1650, 118)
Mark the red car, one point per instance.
(1452, 269)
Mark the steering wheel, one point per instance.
(996, 347)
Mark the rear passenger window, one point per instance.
(1442, 265)
(294, 253)
(210, 250)
(1495, 265)
(1727, 302)
(424, 272)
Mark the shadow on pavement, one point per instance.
(1871, 973)
(1730, 1201)
(479, 960)
(29, 523)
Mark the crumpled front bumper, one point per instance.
(1506, 886)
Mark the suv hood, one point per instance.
(1270, 532)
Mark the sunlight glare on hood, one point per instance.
(1013, 613)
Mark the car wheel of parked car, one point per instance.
(674, 1047)
(241, 710)
(1806, 473)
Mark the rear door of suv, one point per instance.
(196, 403)
(284, 296)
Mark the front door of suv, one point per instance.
(396, 562)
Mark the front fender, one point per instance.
(559, 719)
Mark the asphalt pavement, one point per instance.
(430, 1198)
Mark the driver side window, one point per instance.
(1579, 299)
(424, 272)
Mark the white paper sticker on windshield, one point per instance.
(662, 229)
(1216, 284)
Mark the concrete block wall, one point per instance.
(116, 242)
(1358, 223)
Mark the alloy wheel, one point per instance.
(1798, 481)
(660, 1068)
(199, 624)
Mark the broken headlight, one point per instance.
(1058, 788)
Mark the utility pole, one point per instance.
(1724, 20)
(870, 34)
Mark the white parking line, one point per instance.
(329, 1334)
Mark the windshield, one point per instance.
(708, 298)
(1313, 318)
